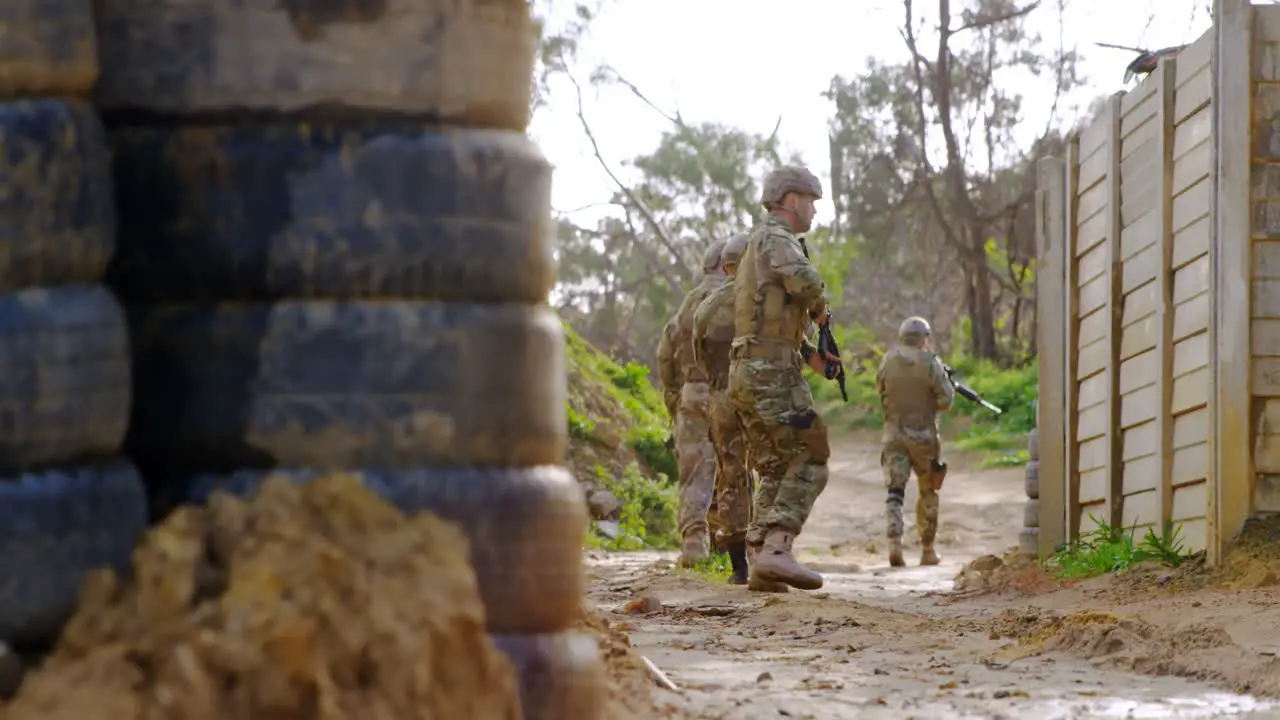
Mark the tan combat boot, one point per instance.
(694, 548)
(895, 553)
(754, 582)
(928, 556)
(776, 563)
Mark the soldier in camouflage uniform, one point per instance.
(688, 398)
(913, 390)
(776, 294)
(712, 337)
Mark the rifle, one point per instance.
(827, 344)
(968, 393)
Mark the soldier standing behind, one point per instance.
(776, 293)
(712, 337)
(914, 388)
(688, 397)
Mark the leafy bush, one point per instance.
(648, 515)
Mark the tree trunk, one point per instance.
(982, 338)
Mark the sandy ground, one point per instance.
(878, 642)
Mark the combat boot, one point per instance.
(776, 563)
(755, 583)
(928, 556)
(895, 553)
(738, 560)
(693, 549)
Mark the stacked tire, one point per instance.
(337, 255)
(1029, 537)
(69, 502)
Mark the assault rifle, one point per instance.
(966, 392)
(827, 345)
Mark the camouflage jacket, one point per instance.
(774, 262)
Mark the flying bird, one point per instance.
(1146, 61)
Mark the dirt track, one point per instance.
(879, 642)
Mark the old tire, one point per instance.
(55, 527)
(1029, 541)
(346, 385)
(48, 48)
(1032, 482)
(1033, 444)
(57, 214)
(525, 527)
(464, 62)
(337, 211)
(562, 676)
(1031, 514)
(64, 376)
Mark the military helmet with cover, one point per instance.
(789, 178)
(914, 330)
(734, 248)
(711, 259)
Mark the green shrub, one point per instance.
(648, 515)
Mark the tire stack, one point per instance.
(69, 502)
(1029, 538)
(337, 256)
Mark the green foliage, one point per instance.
(626, 386)
(648, 515)
(1110, 549)
(715, 568)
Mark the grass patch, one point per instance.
(601, 389)
(648, 516)
(1110, 549)
(715, 568)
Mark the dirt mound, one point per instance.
(1014, 572)
(319, 601)
(1253, 561)
(1200, 650)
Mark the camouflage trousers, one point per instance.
(786, 441)
(695, 456)
(906, 450)
(732, 504)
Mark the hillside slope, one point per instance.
(618, 429)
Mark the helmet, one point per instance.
(914, 329)
(711, 260)
(734, 249)
(789, 178)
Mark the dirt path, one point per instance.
(878, 642)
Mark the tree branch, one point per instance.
(663, 236)
(985, 21)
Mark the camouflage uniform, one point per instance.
(913, 389)
(712, 337)
(694, 454)
(776, 290)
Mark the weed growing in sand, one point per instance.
(1109, 549)
(715, 568)
(648, 515)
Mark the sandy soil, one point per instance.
(897, 643)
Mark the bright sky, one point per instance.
(749, 62)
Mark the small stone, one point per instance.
(764, 677)
(604, 505)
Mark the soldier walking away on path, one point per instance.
(712, 337)
(695, 457)
(914, 388)
(776, 294)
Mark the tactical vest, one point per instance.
(909, 399)
(763, 312)
(684, 330)
(718, 339)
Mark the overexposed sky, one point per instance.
(748, 62)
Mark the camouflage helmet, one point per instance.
(711, 259)
(914, 330)
(734, 249)
(789, 178)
